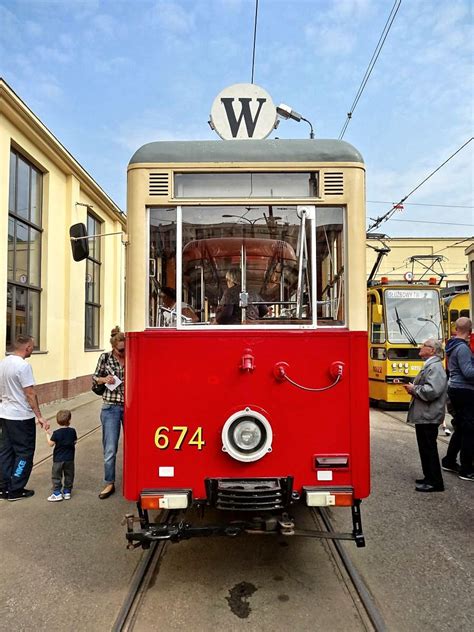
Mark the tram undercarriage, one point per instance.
(268, 500)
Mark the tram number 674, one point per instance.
(162, 437)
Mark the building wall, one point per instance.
(62, 366)
(397, 262)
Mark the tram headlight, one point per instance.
(247, 436)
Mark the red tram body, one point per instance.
(252, 416)
(203, 383)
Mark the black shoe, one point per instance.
(450, 468)
(466, 477)
(425, 487)
(3, 494)
(421, 481)
(20, 494)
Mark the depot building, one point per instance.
(69, 308)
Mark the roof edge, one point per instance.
(9, 97)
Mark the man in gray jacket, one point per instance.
(426, 411)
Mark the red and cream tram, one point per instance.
(246, 389)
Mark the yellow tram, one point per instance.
(455, 304)
(401, 316)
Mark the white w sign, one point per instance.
(243, 111)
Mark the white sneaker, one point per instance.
(447, 432)
(55, 497)
(67, 495)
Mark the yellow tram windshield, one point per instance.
(412, 315)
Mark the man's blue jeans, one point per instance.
(111, 417)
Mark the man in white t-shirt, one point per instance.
(18, 408)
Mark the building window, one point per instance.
(24, 249)
(93, 263)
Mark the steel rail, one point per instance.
(140, 581)
(363, 592)
(410, 425)
(50, 456)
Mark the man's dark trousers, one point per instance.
(462, 400)
(17, 451)
(426, 436)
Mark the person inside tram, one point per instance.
(168, 303)
(229, 311)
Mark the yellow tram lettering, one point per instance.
(197, 439)
(162, 439)
(183, 430)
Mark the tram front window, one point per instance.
(247, 265)
(413, 315)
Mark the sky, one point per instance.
(107, 76)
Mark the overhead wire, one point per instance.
(395, 207)
(434, 253)
(370, 67)
(421, 204)
(254, 39)
(422, 221)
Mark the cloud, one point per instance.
(111, 65)
(33, 29)
(174, 18)
(51, 55)
(155, 125)
(106, 25)
(331, 40)
(334, 31)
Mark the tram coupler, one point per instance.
(357, 524)
(287, 525)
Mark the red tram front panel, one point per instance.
(183, 386)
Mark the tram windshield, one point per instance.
(413, 315)
(246, 265)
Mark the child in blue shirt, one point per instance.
(64, 442)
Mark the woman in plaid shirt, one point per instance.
(110, 371)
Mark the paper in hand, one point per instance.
(117, 382)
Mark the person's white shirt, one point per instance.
(15, 375)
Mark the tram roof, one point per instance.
(274, 150)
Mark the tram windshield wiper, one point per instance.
(430, 320)
(404, 329)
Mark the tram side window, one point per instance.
(246, 265)
(377, 333)
(330, 265)
(162, 267)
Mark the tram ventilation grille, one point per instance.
(242, 495)
(159, 184)
(333, 183)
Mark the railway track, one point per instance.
(442, 439)
(148, 568)
(350, 573)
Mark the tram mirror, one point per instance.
(79, 242)
(377, 315)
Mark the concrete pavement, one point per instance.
(65, 565)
